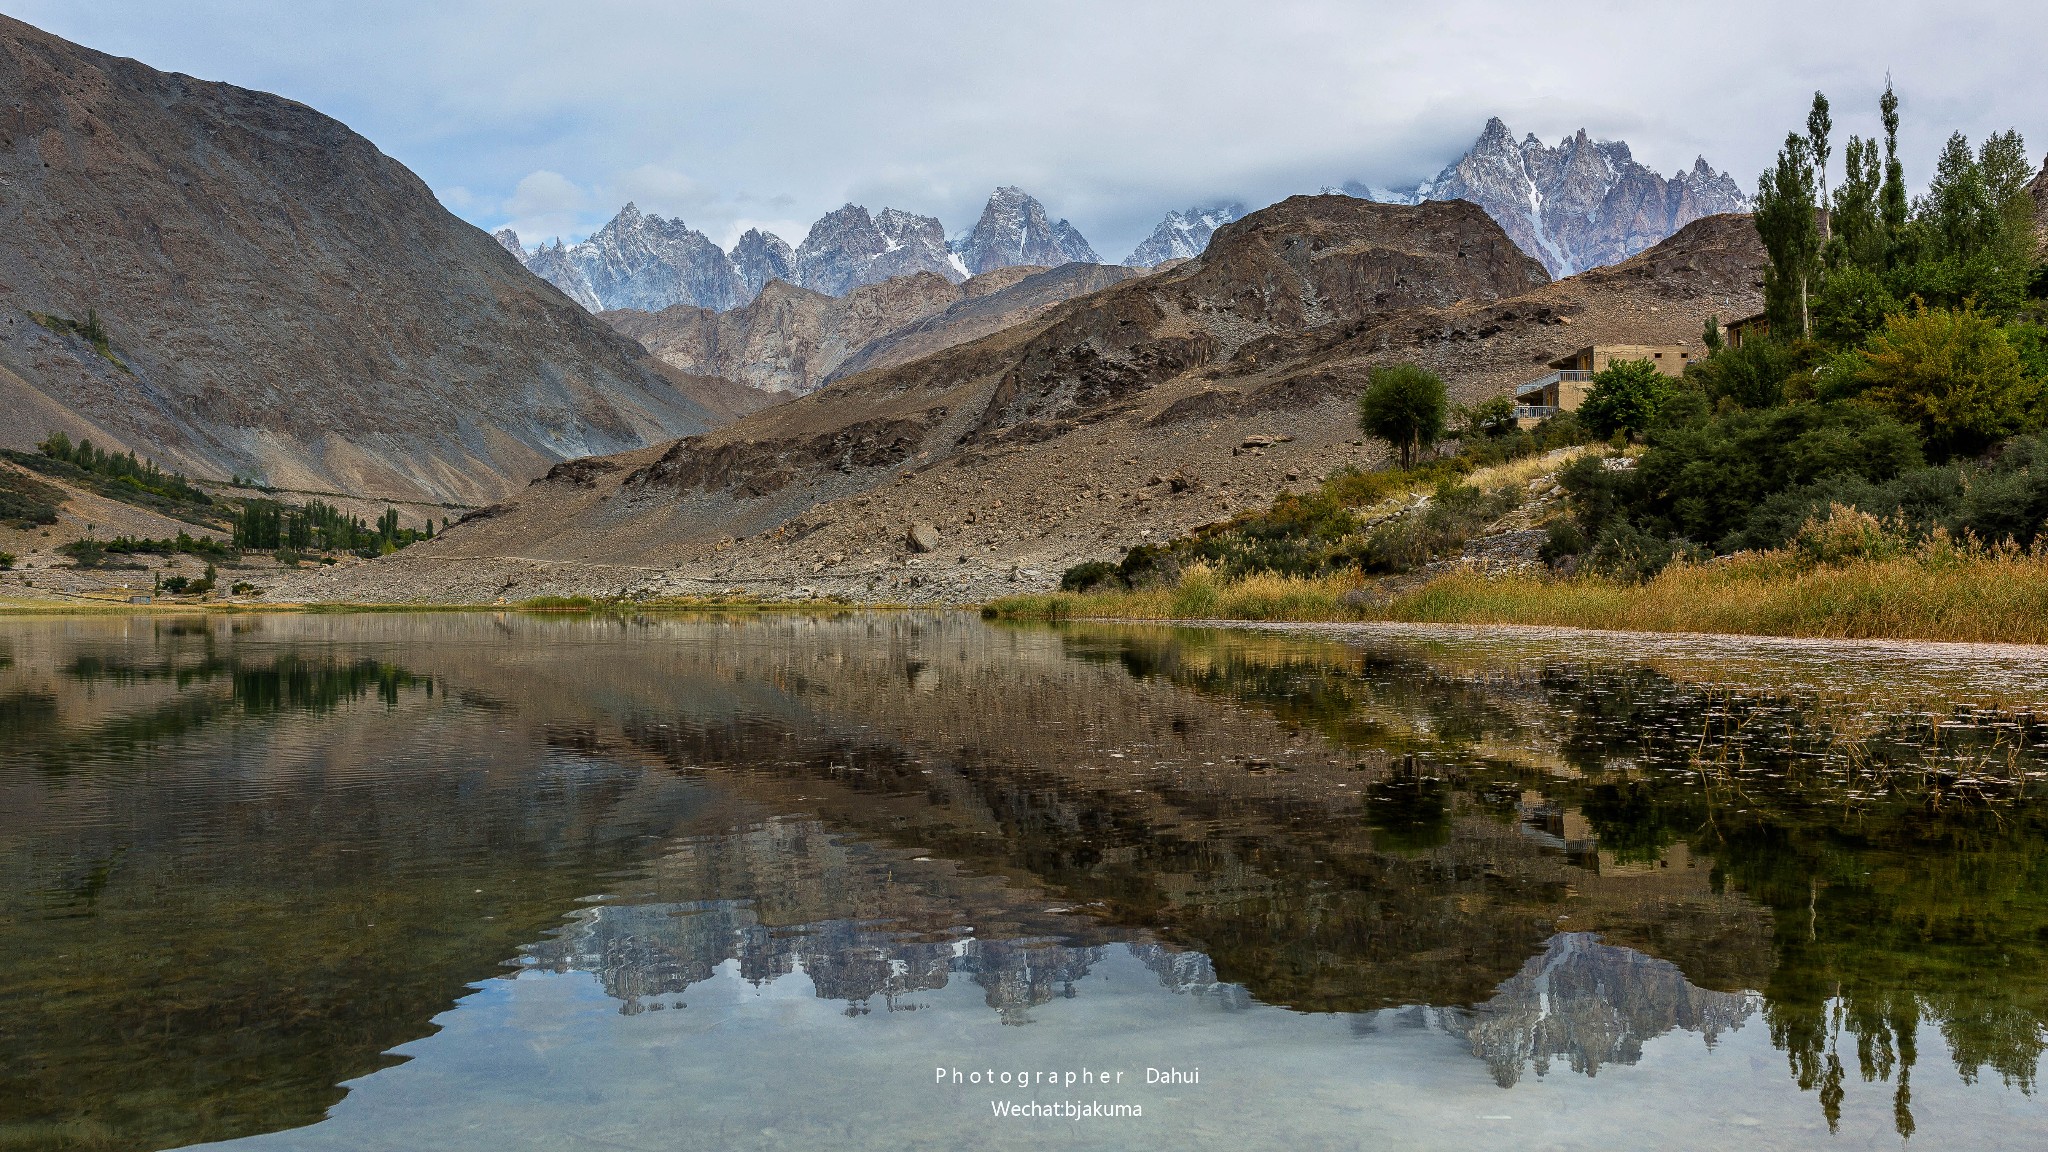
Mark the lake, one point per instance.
(918, 881)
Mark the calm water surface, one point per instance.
(508, 882)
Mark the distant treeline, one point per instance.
(121, 468)
(318, 526)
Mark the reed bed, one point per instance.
(1939, 590)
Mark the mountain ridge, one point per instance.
(1580, 205)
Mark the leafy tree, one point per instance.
(1852, 304)
(1957, 209)
(1951, 373)
(1625, 398)
(2002, 163)
(1752, 376)
(1855, 219)
(1786, 208)
(1710, 335)
(1404, 405)
(1493, 416)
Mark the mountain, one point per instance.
(279, 298)
(1013, 230)
(848, 248)
(760, 257)
(1580, 205)
(1182, 235)
(647, 263)
(792, 340)
(639, 261)
(1134, 413)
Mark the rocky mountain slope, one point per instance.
(230, 282)
(1014, 230)
(1182, 235)
(792, 340)
(1580, 205)
(1131, 414)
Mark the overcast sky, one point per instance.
(740, 113)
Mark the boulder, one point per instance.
(922, 537)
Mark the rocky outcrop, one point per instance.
(758, 258)
(791, 340)
(279, 298)
(1014, 230)
(1582, 204)
(1182, 235)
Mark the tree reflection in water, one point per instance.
(1551, 852)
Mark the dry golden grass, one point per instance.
(1938, 591)
(1199, 595)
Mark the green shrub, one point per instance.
(1088, 576)
(1625, 398)
(1625, 552)
(86, 552)
(6, 560)
(1454, 514)
(1951, 374)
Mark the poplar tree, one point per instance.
(1892, 200)
(1785, 221)
(1818, 125)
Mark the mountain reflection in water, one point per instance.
(1544, 852)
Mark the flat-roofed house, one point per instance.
(1565, 387)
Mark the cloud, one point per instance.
(729, 111)
(544, 205)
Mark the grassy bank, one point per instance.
(1939, 591)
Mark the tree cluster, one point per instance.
(1905, 374)
(316, 526)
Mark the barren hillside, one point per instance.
(791, 340)
(275, 297)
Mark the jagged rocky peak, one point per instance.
(645, 261)
(760, 257)
(509, 241)
(1581, 204)
(1182, 235)
(848, 248)
(1015, 230)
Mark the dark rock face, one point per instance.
(1014, 230)
(1580, 205)
(1182, 235)
(760, 257)
(281, 299)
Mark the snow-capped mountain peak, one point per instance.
(1578, 205)
(1182, 235)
